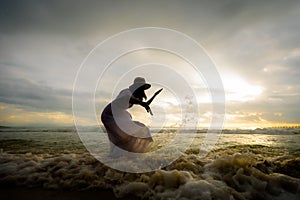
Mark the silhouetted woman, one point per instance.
(123, 132)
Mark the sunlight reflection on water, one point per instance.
(67, 140)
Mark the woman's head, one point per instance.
(139, 82)
(138, 88)
(140, 94)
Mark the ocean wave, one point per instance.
(82, 129)
(37, 129)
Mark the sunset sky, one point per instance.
(255, 46)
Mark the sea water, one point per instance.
(243, 164)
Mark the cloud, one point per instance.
(34, 95)
(41, 16)
(266, 109)
(80, 17)
(42, 44)
(18, 115)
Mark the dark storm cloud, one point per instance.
(34, 96)
(47, 16)
(210, 21)
(70, 16)
(40, 97)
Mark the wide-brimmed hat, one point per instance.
(138, 83)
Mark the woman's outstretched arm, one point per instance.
(155, 94)
(135, 100)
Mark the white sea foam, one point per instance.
(230, 177)
(242, 166)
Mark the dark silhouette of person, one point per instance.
(123, 132)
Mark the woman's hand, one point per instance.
(146, 106)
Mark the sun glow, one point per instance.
(237, 89)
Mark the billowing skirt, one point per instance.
(123, 132)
